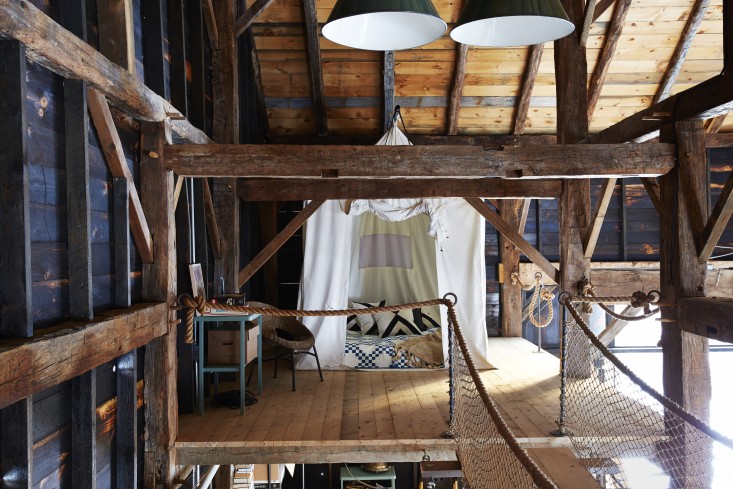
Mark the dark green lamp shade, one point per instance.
(383, 25)
(504, 23)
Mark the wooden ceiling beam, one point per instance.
(710, 98)
(49, 45)
(250, 15)
(489, 141)
(459, 77)
(314, 65)
(706, 316)
(284, 189)
(512, 235)
(609, 49)
(680, 53)
(556, 161)
(54, 355)
(528, 80)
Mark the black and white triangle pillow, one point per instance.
(404, 322)
(364, 323)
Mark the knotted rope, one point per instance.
(200, 305)
(638, 299)
(540, 293)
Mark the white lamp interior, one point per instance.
(385, 31)
(518, 30)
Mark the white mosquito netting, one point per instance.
(437, 247)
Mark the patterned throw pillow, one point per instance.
(404, 322)
(364, 323)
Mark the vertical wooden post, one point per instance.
(122, 242)
(225, 86)
(16, 448)
(84, 430)
(16, 308)
(77, 198)
(159, 284)
(511, 295)
(117, 32)
(572, 126)
(388, 87)
(177, 43)
(686, 369)
(153, 54)
(127, 420)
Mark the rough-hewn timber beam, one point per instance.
(57, 354)
(211, 225)
(528, 80)
(557, 161)
(706, 316)
(246, 273)
(617, 325)
(284, 189)
(512, 235)
(652, 189)
(117, 32)
(590, 10)
(315, 67)
(112, 149)
(717, 221)
(388, 88)
(708, 99)
(49, 45)
(459, 76)
(491, 141)
(250, 15)
(599, 215)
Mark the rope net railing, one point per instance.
(623, 431)
(490, 455)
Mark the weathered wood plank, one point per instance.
(16, 449)
(511, 294)
(599, 214)
(528, 80)
(84, 429)
(117, 32)
(76, 117)
(558, 161)
(388, 89)
(126, 424)
(211, 225)
(607, 52)
(159, 284)
(703, 101)
(706, 316)
(249, 16)
(717, 221)
(315, 67)
(122, 242)
(57, 354)
(112, 149)
(285, 189)
(652, 189)
(456, 90)
(680, 53)
(617, 325)
(246, 273)
(512, 235)
(16, 314)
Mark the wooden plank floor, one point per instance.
(371, 416)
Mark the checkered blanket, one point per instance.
(368, 351)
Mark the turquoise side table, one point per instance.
(200, 322)
(357, 473)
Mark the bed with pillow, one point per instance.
(410, 338)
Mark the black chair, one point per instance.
(288, 334)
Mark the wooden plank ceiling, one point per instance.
(639, 52)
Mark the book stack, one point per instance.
(243, 476)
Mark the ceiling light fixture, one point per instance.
(383, 25)
(506, 23)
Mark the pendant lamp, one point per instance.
(505, 23)
(383, 25)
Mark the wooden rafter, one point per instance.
(388, 88)
(712, 126)
(524, 214)
(249, 16)
(210, 19)
(609, 49)
(528, 80)
(556, 161)
(680, 52)
(57, 354)
(717, 221)
(246, 273)
(177, 191)
(604, 198)
(211, 225)
(49, 45)
(512, 235)
(601, 8)
(112, 148)
(314, 65)
(285, 189)
(459, 76)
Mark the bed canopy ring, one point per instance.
(447, 296)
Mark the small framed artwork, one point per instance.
(198, 286)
